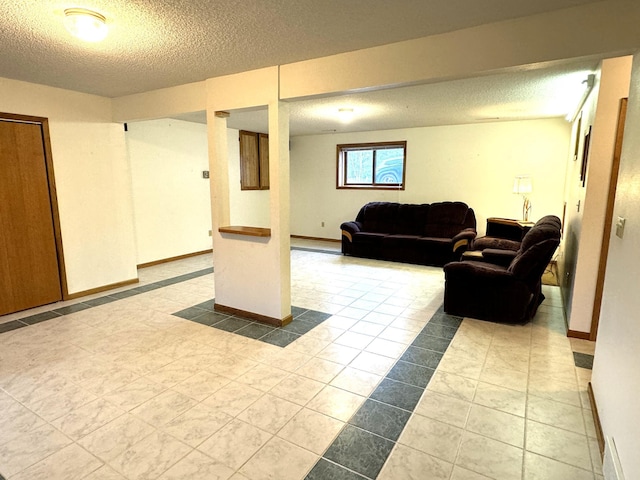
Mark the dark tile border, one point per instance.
(364, 444)
(583, 360)
(12, 325)
(317, 250)
(360, 451)
(326, 470)
(305, 320)
(113, 297)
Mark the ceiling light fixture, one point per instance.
(85, 24)
(345, 114)
(587, 86)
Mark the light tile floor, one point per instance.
(128, 391)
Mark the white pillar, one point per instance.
(251, 273)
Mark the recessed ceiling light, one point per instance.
(85, 24)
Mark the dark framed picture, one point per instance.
(585, 157)
(578, 131)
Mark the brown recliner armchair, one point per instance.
(503, 286)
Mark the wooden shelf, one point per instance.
(248, 231)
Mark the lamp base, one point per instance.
(526, 209)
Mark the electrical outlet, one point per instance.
(322, 224)
(210, 232)
(205, 174)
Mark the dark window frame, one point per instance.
(341, 165)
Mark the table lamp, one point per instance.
(522, 186)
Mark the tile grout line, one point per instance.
(439, 313)
(85, 305)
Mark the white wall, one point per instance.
(474, 164)
(616, 376)
(172, 209)
(575, 194)
(614, 85)
(92, 179)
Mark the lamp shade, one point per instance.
(522, 185)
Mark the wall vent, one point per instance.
(611, 468)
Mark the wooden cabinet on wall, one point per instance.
(254, 161)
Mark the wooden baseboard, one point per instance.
(276, 322)
(179, 257)
(104, 288)
(576, 334)
(316, 238)
(596, 420)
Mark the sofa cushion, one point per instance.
(399, 239)
(439, 245)
(411, 219)
(380, 217)
(444, 219)
(400, 248)
(368, 238)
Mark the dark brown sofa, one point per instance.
(502, 285)
(425, 234)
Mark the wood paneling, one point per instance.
(29, 268)
(249, 161)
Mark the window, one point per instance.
(372, 165)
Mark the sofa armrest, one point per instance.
(349, 228)
(477, 272)
(462, 240)
(499, 257)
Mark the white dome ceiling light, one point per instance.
(85, 24)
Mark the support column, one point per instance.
(251, 265)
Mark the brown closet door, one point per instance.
(29, 274)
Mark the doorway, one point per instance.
(31, 260)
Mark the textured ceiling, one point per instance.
(154, 44)
(520, 95)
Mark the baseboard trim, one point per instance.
(172, 259)
(577, 334)
(104, 288)
(596, 420)
(276, 322)
(316, 238)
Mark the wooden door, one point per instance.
(608, 219)
(29, 269)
